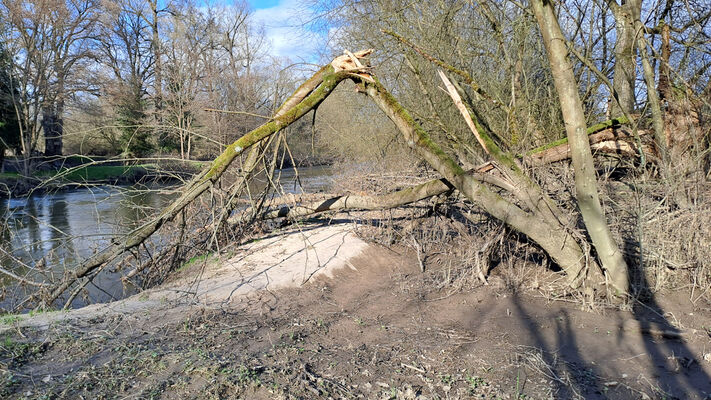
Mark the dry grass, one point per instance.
(666, 246)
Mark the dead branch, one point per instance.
(307, 97)
(611, 140)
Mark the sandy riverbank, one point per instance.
(317, 312)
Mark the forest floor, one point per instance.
(317, 312)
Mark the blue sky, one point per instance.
(282, 24)
(256, 4)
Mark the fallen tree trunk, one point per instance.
(305, 98)
(355, 202)
(541, 225)
(395, 199)
(610, 140)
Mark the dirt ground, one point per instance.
(369, 327)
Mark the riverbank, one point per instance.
(317, 312)
(13, 184)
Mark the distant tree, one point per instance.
(50, 42)
(126, 50)
(9, 126)
(131, 120)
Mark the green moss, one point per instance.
(422, 138)
(491, 146)
(194, 261)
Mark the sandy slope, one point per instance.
(285, 259)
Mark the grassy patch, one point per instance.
(9, 319)
(193, 261)
(97, 172)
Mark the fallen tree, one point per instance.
(501, 187)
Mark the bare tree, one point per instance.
(51, 42)
(126, 52)
(585, 180)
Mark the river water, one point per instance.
(63, 228)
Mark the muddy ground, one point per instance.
(375, 329)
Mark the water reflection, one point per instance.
(69, 226)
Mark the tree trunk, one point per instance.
(664, 85)
(52, 122)
(625, 64)
(585, 180)
(53, 127)
(552, 237)
(653, 99)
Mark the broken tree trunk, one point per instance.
(554, 239)
(537, 216)
(305, 99)
(610, 140)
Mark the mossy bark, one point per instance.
(552, 237)
(326, 81)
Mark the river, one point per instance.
(62, 228)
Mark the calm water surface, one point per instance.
(66, 227)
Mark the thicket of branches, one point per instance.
(487, 94)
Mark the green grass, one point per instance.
(193, 261)
(9, 319)
(96, 172)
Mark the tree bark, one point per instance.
(300, 103)
(664, 85)
(585, 180)
(653, 99)
(353, 202)
(553, 238)
(615, 140)
(625, 64)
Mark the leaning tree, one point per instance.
(502, 186)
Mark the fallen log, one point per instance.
(307, 97)
(395, 199)
(610, 140)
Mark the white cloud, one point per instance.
(283, 26)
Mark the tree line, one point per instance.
(132, 78)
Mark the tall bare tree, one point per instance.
(585, 179)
